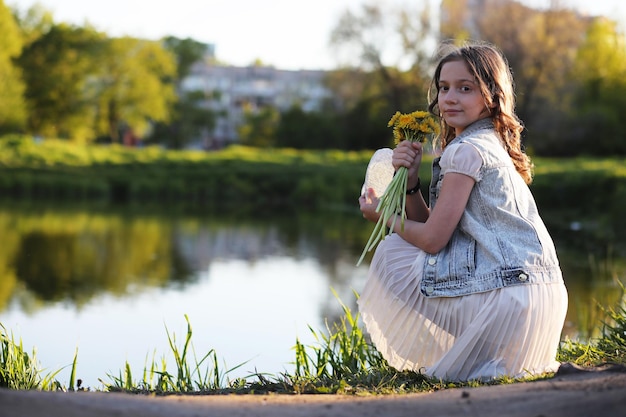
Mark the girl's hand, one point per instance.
(368, 203)
(408, 154)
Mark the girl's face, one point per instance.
(459, 98)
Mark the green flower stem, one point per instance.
(392, 203)
(414, 127)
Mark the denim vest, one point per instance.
(500, 239)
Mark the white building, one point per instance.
(230, 89)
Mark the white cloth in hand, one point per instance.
(379, 172)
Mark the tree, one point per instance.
(313, 130)
(375, 36)
(190, 119)
(34, 22)
(187, 52)
(457, 20)
(259, 127)
(540, 47)
(135, 87)
(387, 52)
(12, 107)
(600, 69)
(81, 84)
(59, 69)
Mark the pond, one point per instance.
(112, 284)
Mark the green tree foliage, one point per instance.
(187, 52)
(8, 276)
(370, 88)
(456, 15)
(190, 118)
(59, 69)
(600, 68)
(313, 130)
(12, 108)
(81, 254)
(363, 119)
(540, 46)
(260, 126)
(377, 39)
(569, 71)
(82, 84)
(34, 22)
(365, 126)
(135, 86)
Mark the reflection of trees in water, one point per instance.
(330, 242)
(333, 241)
(75, 256)
(47, 264)
(228, 242)
(593, 260)
(593, 283)
(60, 256)
(10, 240)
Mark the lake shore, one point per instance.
(573, 394)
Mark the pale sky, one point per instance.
(288, 34)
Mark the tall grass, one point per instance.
(22, 371)
(191, 373)
(61, 171)
(341, 360)
(609, 347)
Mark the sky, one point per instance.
(288, 34)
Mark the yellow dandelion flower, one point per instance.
(393, 120)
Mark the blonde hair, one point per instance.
(491, 71)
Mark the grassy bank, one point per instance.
(57, 170)
(342, 361)
(593, 190)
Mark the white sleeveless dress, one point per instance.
(513, 331)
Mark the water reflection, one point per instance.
(110, 282)
(73, 256)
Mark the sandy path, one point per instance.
(574, 395)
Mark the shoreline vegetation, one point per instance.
(56, 171)
(343, 361)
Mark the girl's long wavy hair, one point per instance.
(491, 71)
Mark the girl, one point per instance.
(471, 288)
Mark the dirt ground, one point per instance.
(572, 394)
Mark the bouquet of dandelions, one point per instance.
(415, 127)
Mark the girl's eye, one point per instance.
(465, 88)
(443, 88)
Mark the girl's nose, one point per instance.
(450, 97)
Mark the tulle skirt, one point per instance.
(513, 331)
